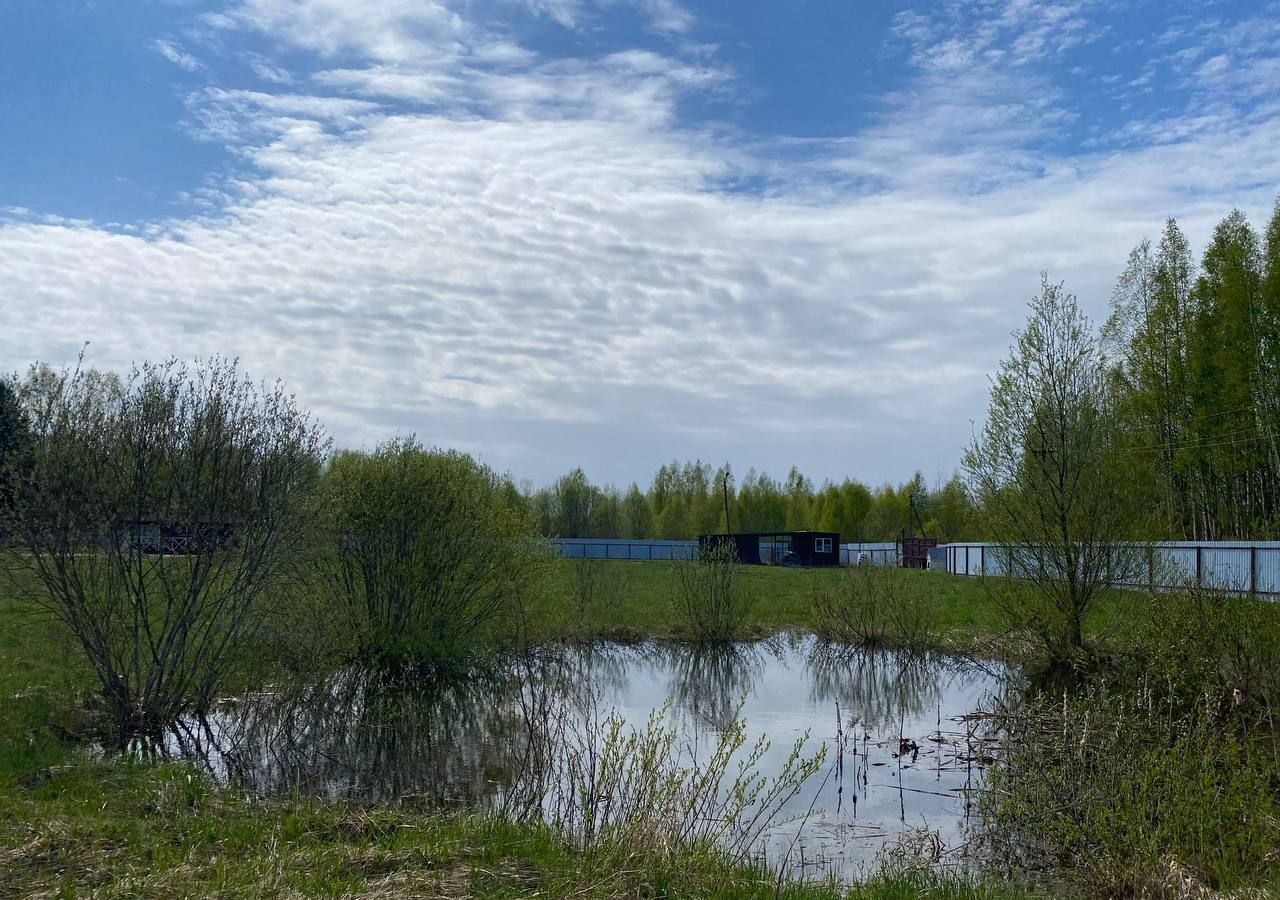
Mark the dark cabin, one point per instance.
(781, 548)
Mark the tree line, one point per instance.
(1194, 356)
(1162, 424)
(687, 499)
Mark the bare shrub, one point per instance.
(158, 513)
(595, 584)
(873, 606)
(712, 594)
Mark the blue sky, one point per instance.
(611, 232)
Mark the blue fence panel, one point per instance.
(1241, 566)
(1225, 569)
(600, 548)
(1267, 567)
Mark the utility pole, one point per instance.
(724, 486)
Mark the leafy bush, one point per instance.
(1214, 649)
(428, 550)
(712, 595)
(873, 606)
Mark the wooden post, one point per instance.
(982, 560)
(1253, 571)
(1199, 566)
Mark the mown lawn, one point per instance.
(637, 601)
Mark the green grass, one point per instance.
(645, 607)
(639, 604)
(157, 831)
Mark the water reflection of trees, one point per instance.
(709, 682)
(376, 738)
(877, 687)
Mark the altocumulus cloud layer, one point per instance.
(539, 257)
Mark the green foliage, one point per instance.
(428, 552)
(1213, 650)
(1135, 796)
(1043, 473)
(15, 449)
(1196, 370)
(596, 586)
(688, 500)
(713, 595)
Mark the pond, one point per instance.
(905, 750)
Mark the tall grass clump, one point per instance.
(873, 607)
(429, 554)
(712, 595)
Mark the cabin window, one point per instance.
(822, 545)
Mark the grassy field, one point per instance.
(635, 601)
(72, 825)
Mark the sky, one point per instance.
(610, 233)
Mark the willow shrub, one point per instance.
(873, 606)
(157, 514)
(430, 554)
(712, 595)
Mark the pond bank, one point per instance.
(75, 825)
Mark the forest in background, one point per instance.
(1192, 350)
(1195, 351)
(685, 500)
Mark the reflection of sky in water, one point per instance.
(790, 687)
(455, 744)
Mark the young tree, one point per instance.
(1041, 470)
(159, 513)
(575, 498)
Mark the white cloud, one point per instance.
(534, 257)
(171, 51)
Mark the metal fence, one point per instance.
(605, 548)
(1247, 567)
(884, 553)
(881, 554)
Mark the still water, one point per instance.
(904, 750)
